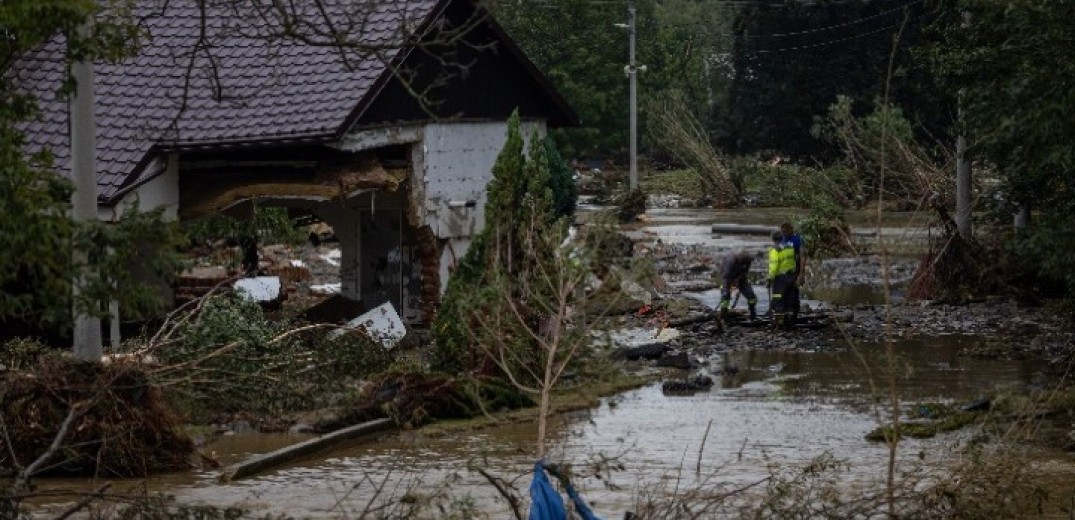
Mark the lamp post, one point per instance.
(631, 70)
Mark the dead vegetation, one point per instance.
(955, 268)
(68, 417)
(676, 129)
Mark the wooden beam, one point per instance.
(265, 461)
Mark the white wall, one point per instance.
(161, 191)
(455, 168)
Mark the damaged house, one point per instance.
(381, 117)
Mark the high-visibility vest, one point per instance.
(781, 260)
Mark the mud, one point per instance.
(852, 291)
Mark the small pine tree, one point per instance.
(565, 194)
(518, 213)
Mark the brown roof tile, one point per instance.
(271, 89)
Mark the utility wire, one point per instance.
(826, 43)
(815, 30)
(774, 35)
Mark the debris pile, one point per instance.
(953, 271)
(114, 422)
(313, 269)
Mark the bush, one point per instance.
(270, 225)
(825, 230)
(786, 184)
(230, 358)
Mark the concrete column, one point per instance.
(87, 328)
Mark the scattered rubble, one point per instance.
(1007, 329)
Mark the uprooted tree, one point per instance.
(675, 128)
(889, 163)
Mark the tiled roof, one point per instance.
(263, 87)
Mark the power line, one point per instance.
(823, 44)
(811, 31)
(839, 25)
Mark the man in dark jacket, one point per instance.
(733, 272)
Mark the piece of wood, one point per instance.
(265, 461)
(743, 229)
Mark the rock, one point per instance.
(678, 360)
(694, 384)
(649, 351)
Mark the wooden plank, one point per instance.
(743, 229)
(265, 461)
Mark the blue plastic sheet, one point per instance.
(547, 504)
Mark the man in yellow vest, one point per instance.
(781, 281)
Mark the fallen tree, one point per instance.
(69, 417)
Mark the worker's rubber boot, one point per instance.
(753, 312)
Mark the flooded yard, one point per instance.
(775, 405)
(772, 409)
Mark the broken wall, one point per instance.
(452, 168)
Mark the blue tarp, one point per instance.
(547, 504)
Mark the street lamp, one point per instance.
(631, 70)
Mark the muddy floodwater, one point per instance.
(778, 409)
(770, 408)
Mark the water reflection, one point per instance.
(778, 408)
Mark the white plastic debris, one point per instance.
(298, 263)
(326, 289)
(381, 324)
(634, 337)
(333, 257)
(259, 288)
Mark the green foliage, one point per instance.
(270, 226)
(683, 182)
(231, 358)
(1042, 255)
(40, 240)
(519, 218)
(825, 229)
(28, 23)
(791, 60)
(580, 63)
(880, 148)
(122, 261)
(676, 41)
(565, 193)
(452, 324)
(631, 205)
(1015, 65)
(35, 282)
(786, 184)
(127, 261)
